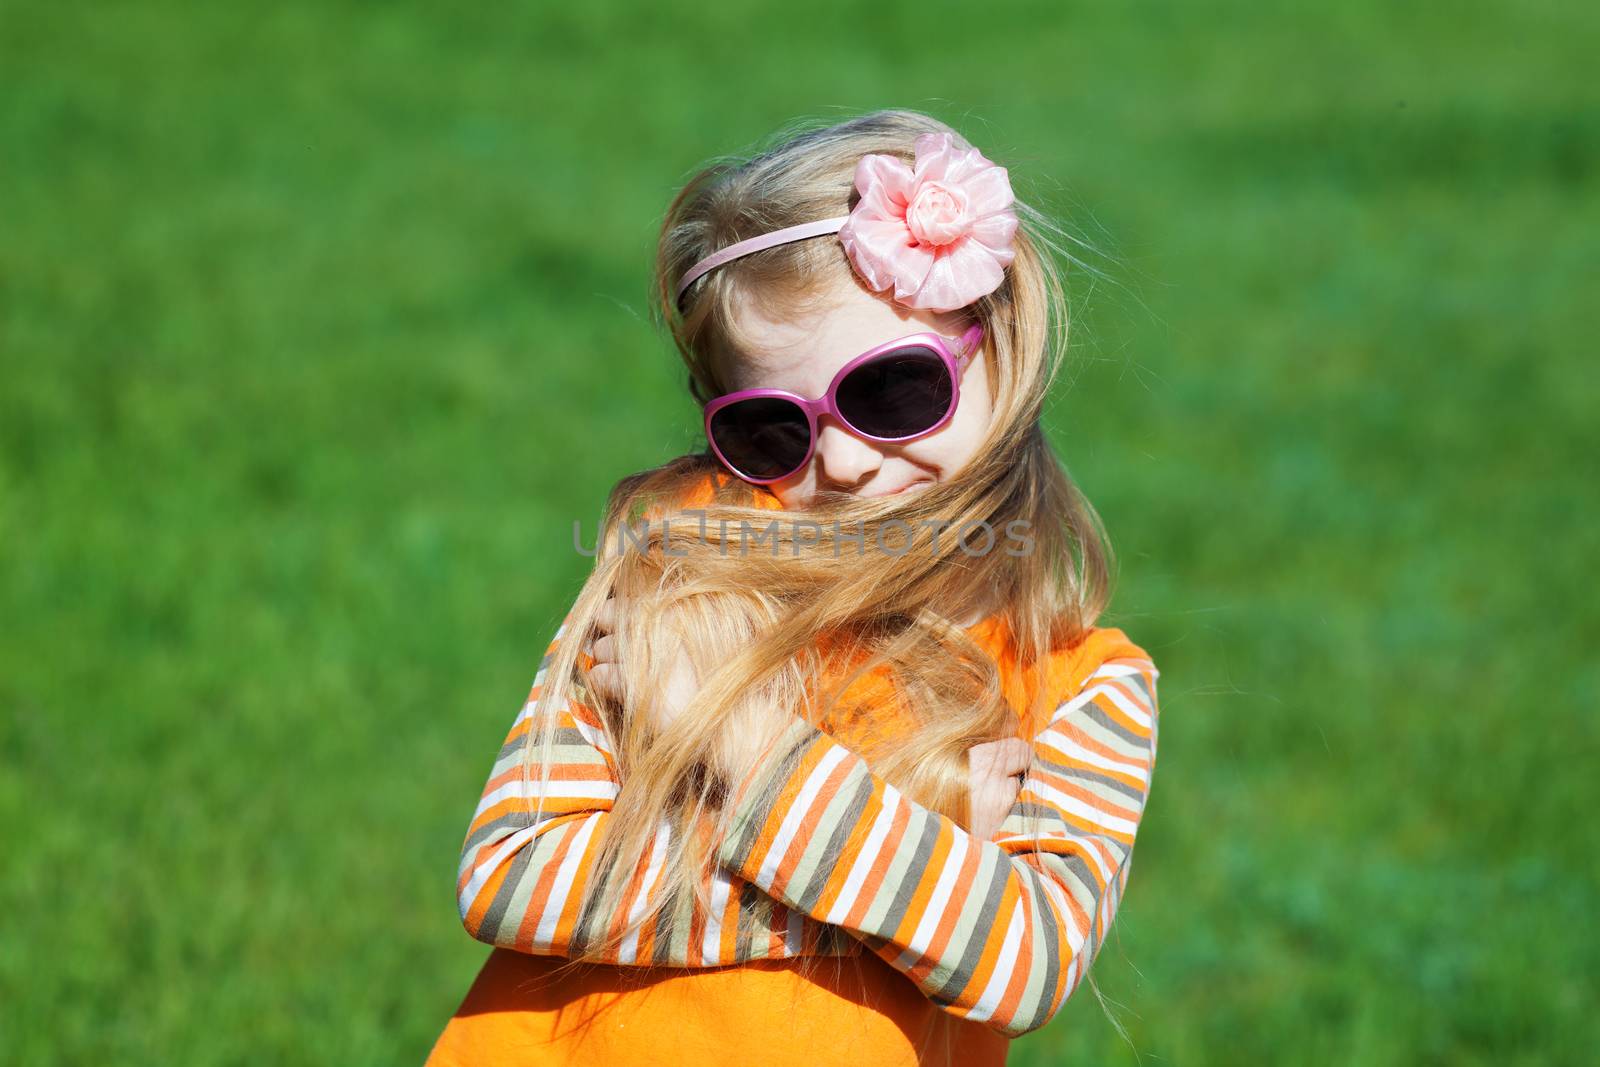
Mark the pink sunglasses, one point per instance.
(899, 391)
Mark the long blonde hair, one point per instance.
(783, 627)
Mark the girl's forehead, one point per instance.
(808, 349)
(796, 358)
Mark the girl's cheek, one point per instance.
(795, 493)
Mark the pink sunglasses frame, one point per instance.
(968, 344)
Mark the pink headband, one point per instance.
(756, 244)
(938, 233)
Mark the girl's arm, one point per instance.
(998, 931)
(523, 868)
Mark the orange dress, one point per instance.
(882, 933)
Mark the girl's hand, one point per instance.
(605, 677)
(994, 771)
(733, 753)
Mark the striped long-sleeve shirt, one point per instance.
(826, 858)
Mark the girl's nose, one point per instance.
(844, 458)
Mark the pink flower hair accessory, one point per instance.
(936, 234)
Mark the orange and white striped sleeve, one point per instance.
(524, 861)
(525, 866)
(999, 931)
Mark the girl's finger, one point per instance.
(1004, 794)
(604, 650)
(1013, 756)
(981, 760)
(1003, 758)
(606, 680)
(1002, 791)
(605, 618)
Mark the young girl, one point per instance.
(762, 802)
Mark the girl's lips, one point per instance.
(918, 484)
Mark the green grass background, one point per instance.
(320, 323)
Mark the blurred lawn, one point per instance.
(321, 323)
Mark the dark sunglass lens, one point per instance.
(763, 437)
(899, 394)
